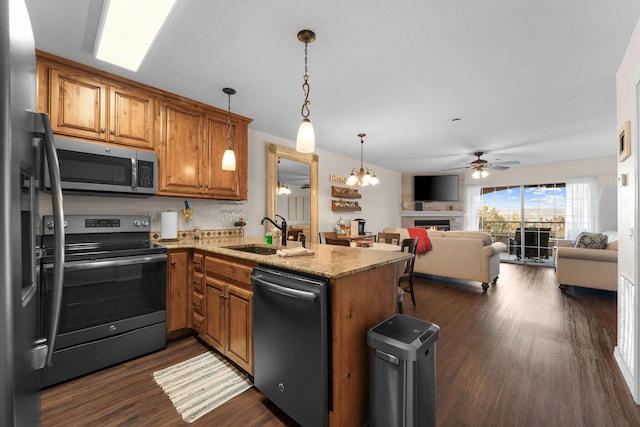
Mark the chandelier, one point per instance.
(306, 140)
(281, 188)
(362, 177)
(229, 157)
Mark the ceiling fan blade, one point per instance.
(497, 167)
(509, 162)
(456, 169)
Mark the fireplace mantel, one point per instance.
(432, 213)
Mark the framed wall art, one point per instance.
(624, 141)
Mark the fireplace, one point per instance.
(438, 224)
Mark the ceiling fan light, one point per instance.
(484, 173)
(306, 140)
(229, 160)
(475, 174)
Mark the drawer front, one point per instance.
(198, 282)
(198, 303)
(198, 262)
(230, 270)
(198, 323)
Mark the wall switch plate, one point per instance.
(622, 180)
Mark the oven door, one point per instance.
(105, 297)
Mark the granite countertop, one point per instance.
(330, 261)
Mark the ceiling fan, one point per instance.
(480, 166)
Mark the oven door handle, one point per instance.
(114, 262)
(58, 221)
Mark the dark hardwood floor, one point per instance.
(523, 354)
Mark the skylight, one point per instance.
(129, 28)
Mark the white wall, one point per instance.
(380, 204)
(604, 169)
(626, 79)
(627, 98)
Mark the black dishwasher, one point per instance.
(291, 330)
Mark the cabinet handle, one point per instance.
(173, 263)
(197, 304)
(196, 282)
(196, 262)
(112, 132)
(102, 130)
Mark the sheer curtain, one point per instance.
(581, 205)
(471, 217)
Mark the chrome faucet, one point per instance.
(282, 228)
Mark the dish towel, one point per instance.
(424, 243)
(300, 251)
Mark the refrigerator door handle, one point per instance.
(58, 218)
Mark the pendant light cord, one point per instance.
(305, 86)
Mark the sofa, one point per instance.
(466, 255)
(587, 267)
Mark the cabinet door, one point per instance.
(178, 310)
(214, 314)
(220, 183)
(78, 105)
(131, 117)
(239, 318)
(181, 150)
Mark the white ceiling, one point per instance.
(532, 80)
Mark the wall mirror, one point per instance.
(300, 173)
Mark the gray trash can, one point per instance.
(403, 372)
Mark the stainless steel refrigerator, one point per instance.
(25, 142)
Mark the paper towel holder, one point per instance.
(173, 232)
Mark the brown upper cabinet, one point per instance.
(189, 137)
(84, 107)
(192, 142)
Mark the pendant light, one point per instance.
(362, 177)
(306, 140)
(281, 188)
(229, 157)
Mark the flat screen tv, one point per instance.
(435, 188)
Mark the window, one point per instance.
(526, 218)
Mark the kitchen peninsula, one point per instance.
(363, 292)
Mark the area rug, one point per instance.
(201, 384)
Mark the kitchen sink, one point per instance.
(254, 249)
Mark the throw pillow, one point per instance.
(590, 241)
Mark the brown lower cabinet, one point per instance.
(222, 306)
(178, 308)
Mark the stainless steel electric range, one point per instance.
(114, 293)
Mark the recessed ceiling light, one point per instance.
(128, 29)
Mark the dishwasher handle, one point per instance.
(282, 290)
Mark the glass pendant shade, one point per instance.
(306, 140)
(352, 180)
(229, 160)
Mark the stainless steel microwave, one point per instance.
(90, 168)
